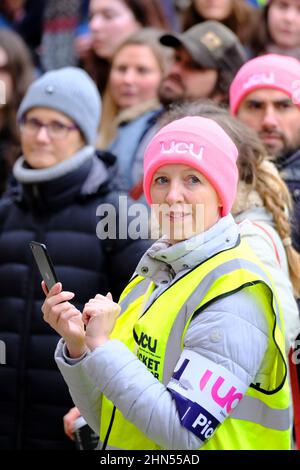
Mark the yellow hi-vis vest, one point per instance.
(261, 419)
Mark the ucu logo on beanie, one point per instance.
(182, 148)
(259, 79)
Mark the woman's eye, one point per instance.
(161, 180)
(193, 179)
(57, 126)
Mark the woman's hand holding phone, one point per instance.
(64, 318)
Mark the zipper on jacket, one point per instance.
(24, 349)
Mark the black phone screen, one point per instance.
(44, 263)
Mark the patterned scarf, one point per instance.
(60, 21)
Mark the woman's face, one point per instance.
(184, 202)
(135, 76)
(218, 10)
(284, 23)
(6, 83)
(111, 22)
(40, 150)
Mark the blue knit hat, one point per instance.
(71, 91)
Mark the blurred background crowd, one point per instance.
(143, 56)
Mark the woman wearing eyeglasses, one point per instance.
(62, 183)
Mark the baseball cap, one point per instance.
(211, 45)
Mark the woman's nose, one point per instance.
(96, 23)
(129, 76)
(42, 134)
(175, 193)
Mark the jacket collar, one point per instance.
(94, 176)
(163, 261)
(289, 166)
(26, 175)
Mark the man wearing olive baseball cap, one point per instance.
(206, 58)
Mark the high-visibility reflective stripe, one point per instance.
(100, 445)
(254, 410)
(134, 294)
(174, 348)
(245, 264)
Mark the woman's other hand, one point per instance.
(99, 316)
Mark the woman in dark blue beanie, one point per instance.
(62, 181)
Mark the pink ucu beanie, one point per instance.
(267, 71)
(201, 144)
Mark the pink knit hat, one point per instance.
(201, 144)
(267, 71)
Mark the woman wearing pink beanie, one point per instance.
(192, 356)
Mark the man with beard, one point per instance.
(206, 59)
(265, 95)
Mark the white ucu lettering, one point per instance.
(181, 148)
(260, 79)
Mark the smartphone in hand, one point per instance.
(44, 263)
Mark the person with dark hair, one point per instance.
(278, 29)
(206, 58)
(25, 17)
(265, 95)
(64, 186)
(16, 74)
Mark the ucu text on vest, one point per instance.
(147, 342)
(147, 347)
(181, 148)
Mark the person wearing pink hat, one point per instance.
(265, 95)
(192, 356)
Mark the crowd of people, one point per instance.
(182, 337)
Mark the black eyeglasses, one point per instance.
(56, 130)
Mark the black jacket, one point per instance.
(62, 214)
(290, 171)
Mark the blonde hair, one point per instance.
(255, 169)
(145, 37)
